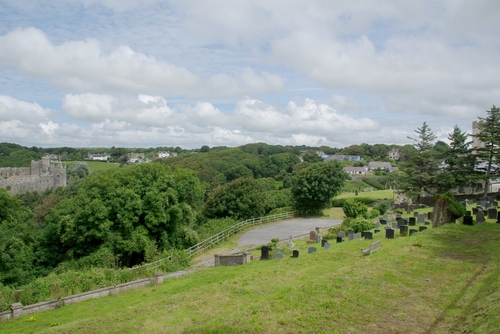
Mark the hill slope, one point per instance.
(444, 280)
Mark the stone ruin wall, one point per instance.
(42, 175)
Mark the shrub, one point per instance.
(353, 208)
(374, 213)
(360, 225)
(382, 207)
(374, 182)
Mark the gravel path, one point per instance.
(282, 230)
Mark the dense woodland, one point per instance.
(138, 213)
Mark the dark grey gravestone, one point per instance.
(357, 236)
(339, 240)
(427, 223)
(468, 213)
(369, 235)
(398, 215)
(474, 211)
(389, 234)
(412, 221)
(403, 230)
(341, 234)
(492, 213)
(350, 232)
(401, 222)
(377, 230)
(429, 215)
(422, 228)
(383, 221)
(395, 225)
(323, 242)
(421, 218)
(413, 231)
(278, 255)
(480, 217)
(311, 250)
(326, 245)
(467, 220)
(264, 252)
(415, 214)
(295, 254)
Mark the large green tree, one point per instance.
(314, 186)
(488, 152)
(126, 211)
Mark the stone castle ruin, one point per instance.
(42, 175)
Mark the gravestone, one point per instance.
(383, 221)
(326, 245)
(468, 213)
(412, 221)
(278, 255)
(498, 218)
(421, 218)
(415, 214)
(357, 236)
(492, 213)
(427, 223)
(389, 234)
(290, 241)
(429, 215)
(385, 217)
(377, 225)
(422, 228)
(369, 235)
(341, 234)
(295, 254)
(377, 230)
(401, 222)
(403, 229)
(319, 237)
(339, 240)
(350, 232)
(264, 252)
(323, 242)
(413, 231)
(311, 250)
(312, 235)
(387, 228)
(395, 225)
(480, 217)
(474, 210)
(467, 220)
(351, 236)
(391, 218)
(482, 204)
(398, 215)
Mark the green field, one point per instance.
(443, 280)
(377, 194)
(96, 165)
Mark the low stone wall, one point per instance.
(17, 309)
(232, 259)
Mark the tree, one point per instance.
(459, 169)
(488, 152)
(314, 186)
(77, 171)
(422, 167)
(311, 156)
(240, 199)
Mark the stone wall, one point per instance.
(42, 175)
(17, 309)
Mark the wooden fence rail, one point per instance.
(221, 236)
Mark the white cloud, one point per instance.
(82, 66)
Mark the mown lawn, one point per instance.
(96, 165)
(377, 194)
(443, 280)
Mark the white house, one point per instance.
(99, 157)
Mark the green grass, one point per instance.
(443, 280)
(377, 194)
(96, 165)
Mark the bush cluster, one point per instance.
(353, 208)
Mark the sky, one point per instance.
(149, 73)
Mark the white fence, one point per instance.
(224, 235)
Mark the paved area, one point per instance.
(282, 230)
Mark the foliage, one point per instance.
(339, 202)
(422, 167)
(312, 157)
(361, 224)
(446, 209)
(315, 185)
(17, 238)
(127, 210)
(382, 207)
(13, 155)
(214, 226)
(353, 208)
(374, 182)
(77, 171)
(240, 199)
(374, 213)
(489, 150)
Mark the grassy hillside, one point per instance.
(444, 280)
